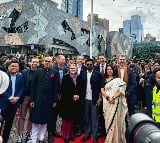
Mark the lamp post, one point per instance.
(91, 29)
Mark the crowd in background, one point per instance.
(80, 90)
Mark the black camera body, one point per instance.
(1, 120)
(142, 129)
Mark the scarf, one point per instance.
(125, 79)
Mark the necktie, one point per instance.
(102, 70)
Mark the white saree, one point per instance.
(114, 114)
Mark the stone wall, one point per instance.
(117, 43)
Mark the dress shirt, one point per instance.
(89, 90)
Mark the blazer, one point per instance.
(97, 68)
(132, 83)
(19, 90)
(65, 69)
(95, 82)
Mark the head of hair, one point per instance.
(121, 55)
(13, 61)
(101, 54)
(109, 65)
(89, 60)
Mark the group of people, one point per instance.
(90, 96)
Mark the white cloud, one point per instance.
(118, 10)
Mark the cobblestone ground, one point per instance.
(14, 132)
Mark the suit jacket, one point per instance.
(25, 74)
(19, 90)
(27, 81)
(95, 82)
(132, 83)
(83, 68)
(65, 69)
(97, 68)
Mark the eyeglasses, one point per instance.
(48, 61)
(89, 64)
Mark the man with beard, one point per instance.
(43, 98)
(91, 88)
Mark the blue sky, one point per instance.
(116, 11)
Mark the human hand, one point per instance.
(111, 100)
(32, 104)
(14, 100)
(75, 97)
(99, 102)
(54, 104)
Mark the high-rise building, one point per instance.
(74, 7)
(127, 27)
(77, 9)
(66, 6)
(99, 21)
(134, 29)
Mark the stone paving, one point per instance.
(14, 132)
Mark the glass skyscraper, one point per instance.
(77, 9)
(74, 7)
(134, 29)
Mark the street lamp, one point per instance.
(91, 29)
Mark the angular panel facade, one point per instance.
(39, 22)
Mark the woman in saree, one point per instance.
(114, 107)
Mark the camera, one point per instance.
(1, 120)
(142, 129)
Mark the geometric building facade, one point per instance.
(40, 22)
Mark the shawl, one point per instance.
(125, 79)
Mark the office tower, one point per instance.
(77, 9)
(133, 28)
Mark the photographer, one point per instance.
(1, 121)
(5, 91)
(146, 90)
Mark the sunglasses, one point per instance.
(89, 64)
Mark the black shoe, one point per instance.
(95, 140)
(85, 138)
(56, 134)
(28, 137)
(41, 142)
(66, 140)
(72, 139)
(79, 133)
(50, 139)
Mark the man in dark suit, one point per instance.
(91, 88)
(80, 69)
(80, 64)
(28, 75)
(129, 77)
(14, 100)
(101, 67)
(43, 98)
(61, 70)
